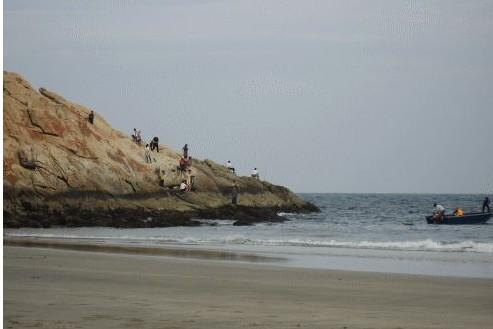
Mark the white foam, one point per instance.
(419, 245)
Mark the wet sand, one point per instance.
(59, 288)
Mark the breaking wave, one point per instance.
(420, 245)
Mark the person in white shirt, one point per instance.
(438, 213)
(147, 153)
(255, 173)
(229, 165)
(183, 186)
(190, 179)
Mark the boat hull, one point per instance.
(467, 219)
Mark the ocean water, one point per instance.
(363, 232)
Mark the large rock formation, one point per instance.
(61, 170)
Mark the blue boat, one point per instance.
(468, 219)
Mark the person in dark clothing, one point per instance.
(138, 137)
(185, 151)
(235, 190)
(90, 118)
(154, 144)
(486, 204)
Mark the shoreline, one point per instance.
(59, 288)
(420, 263)
(166, 251)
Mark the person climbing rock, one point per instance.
(182, 165)
(161, 176)
(147, 152)
(154, 144)
(90, 118)
(235, 191)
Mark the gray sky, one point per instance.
(321, 96)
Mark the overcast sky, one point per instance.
(321, 96)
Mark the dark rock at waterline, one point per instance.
(137, 218)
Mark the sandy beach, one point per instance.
(57, 288)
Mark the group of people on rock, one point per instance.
(439, 210)
(153, 144)
(184, 168)
(231, 168)
(184, 165)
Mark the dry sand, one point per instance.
(50, 288)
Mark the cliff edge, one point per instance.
(59, 169)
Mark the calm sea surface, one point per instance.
(367, 232)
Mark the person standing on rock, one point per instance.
(182, 165)
(229, 165)
(255, 174)
(138, 137)
(190, 179)
(90, 118)
(486, 204)
(147, 152)
(185, 151)
(235, 191)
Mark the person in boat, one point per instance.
(458, 212)
(438, 213)
(486, 204)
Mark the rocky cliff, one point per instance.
(61, 170)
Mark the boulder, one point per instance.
(59, 169)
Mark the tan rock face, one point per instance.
(51, 150)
